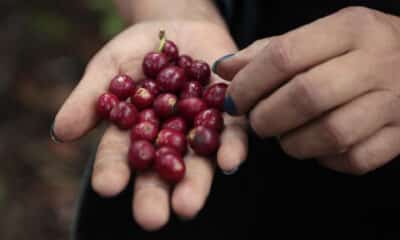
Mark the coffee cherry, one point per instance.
(172, 75)
(184, 62)
(141, 155)
(124, 115)
(150, 85)
(191, 89)
(150, 116)
(170, 167)
(171, 79)
(171, 50)
(121, 86)
(142, 98)
(214, 95)
(165, 105)
(175, 123)
(200, 71)
(164, 150)
(204, 141)
(210, 118)
(190, 107)
(144, 131)
(172, 138)
(105, 103)
(153, 63)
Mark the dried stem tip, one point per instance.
(163, 39)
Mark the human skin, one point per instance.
(198, 30)
(328, 90)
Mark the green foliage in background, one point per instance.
(54, 27)
(111, 23)
(57, 28)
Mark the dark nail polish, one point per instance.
(229, 105)
(231, 172)
(53, 135)
(219, 60)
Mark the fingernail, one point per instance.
(53, 135)
(231, 172)
(219, 60)
(229, 105)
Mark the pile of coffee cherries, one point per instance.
(160, 109)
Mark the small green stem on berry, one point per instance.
(163, 39)
(161, 34)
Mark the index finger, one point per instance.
(287, 55)
(77, 116)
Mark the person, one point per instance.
(313, 81)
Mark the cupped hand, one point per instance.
(124, 54)
(328, 90)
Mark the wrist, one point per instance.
(176, 10)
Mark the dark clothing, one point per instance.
(252, 20)
(272, 195)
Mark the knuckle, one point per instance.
(110, 150)
(393, 107)
(241, 93)
(105, 148)
(102, 163)
(362, 18)
(260, 43)
(359, 13)
(104, 144)
(353, 11)
(99, 167)
(336, 134)
(256, 123)
(388, 33)
(303, 97)
(236, 91)
(280, 50)
(113, 141)
(391, 100)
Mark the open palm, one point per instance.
(152, 197)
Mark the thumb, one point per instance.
(227, 66)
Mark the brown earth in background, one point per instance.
(44, 48)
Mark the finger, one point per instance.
(151, 201)
(111, 170)
(315, 92)
(233, 149)
(77, 115)
(344, 127)
(190, 194)
(368, 155)
(227, 66)
(287, 55)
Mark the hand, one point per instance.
(329, 90)
(111, 172)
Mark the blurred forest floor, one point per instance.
(44, 48)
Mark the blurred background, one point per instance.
(45, 45)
